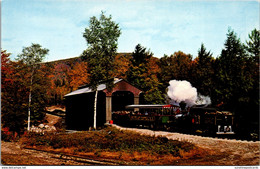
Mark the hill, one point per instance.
(66, 75)
(73, 60)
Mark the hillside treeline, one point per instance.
(231, 80)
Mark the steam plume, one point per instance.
(203, 100)
(183, 91)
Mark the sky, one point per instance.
(162, 26)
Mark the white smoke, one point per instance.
(203, 100)
(182, 90)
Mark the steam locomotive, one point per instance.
(196, 119)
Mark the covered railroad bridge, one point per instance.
(80, 104)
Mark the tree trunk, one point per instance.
(29, 104)
(29, 107)
(95, 110)
(29, 110)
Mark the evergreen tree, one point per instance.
(138, 67)
(142, 73)
(203, 75)
(253, 45)
(253, 48)
(233, 80)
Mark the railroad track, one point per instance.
(77, 158)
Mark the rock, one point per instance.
(53, 128)
(41, 125)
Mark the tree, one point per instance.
(234, 81)
(13, 97)
(101, 36)
(165, 74)
(177, 66)
(153, 94)
(60, 81)
(122, 62)
(31, 56)
(203, 75)
(140, 55)
(142, 73)
(78, 75)
(6, 69)
(181, 65)
(253, 45)
(253, 49)
(138, 67)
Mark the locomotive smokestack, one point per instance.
(182, 105)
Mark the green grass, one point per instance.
(109, 139)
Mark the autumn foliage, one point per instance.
(6, 70)
(231, 79)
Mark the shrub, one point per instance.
(6, 136)
(9, 136)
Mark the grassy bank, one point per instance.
(123, 145)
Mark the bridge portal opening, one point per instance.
(120, 99)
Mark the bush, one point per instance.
(9, 136)
(6, 136)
